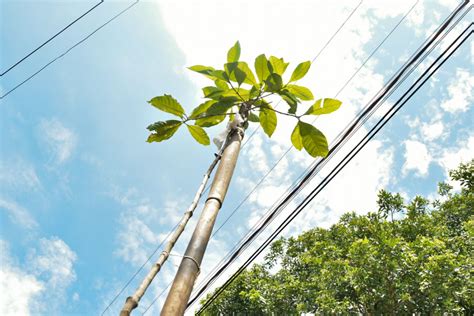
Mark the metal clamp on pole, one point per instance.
(195, 262)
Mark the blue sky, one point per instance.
(85, 200)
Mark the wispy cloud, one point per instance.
(18, 214)
(60, 141)
(18, 175)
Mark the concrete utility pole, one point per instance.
(189, 268)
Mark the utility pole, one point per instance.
(189, 268)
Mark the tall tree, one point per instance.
(244, 97)
(420, 263)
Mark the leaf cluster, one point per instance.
(236, 89)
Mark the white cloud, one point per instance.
(59, 140)
(452, 157)
(459, 92)
(19, 289)
(41, 284)
(18, 214)
(417, 158)
(53, 261)
(432, 131)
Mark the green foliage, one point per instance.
(199, 134)
(262, 67)
(234, 53)
(236, 89)
(163, 130)
(168, 104)
(300, 71)
(314, 142)
(418, 264)
(325, 106)
(268, 119)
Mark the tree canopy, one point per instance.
(405, 258)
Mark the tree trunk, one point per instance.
(189, 268)
(132, 301)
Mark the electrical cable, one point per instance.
(51, 38)
(328, 178)
(69, 49)
(431, 41)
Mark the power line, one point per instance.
(69, 49)
(429, 43)
(51, 38)
(333, 173)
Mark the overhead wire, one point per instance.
(331, 176)
(69, 49)
(51, 38)
(448, 19)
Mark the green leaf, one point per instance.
(268, 119)
(234, 53)
(220, 74)
(204, 70)
(200, 109)
(290, 99)
(253, 117)
(278, 65)
(167, 104)
(199, 134)
(300, 71)
(237, 94)
(219, 108)
(212, 92)
(221, 84)
(210, 121)
(314, 141)
(325, 106)
(273, 83)
(250, 77)
(233, 73)
(296, 138)
(163, 130)
(239, 75)
(254, 92)
(300, 92)
(261, 67)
